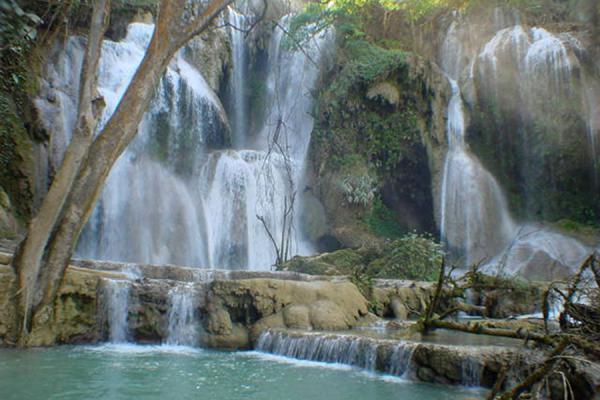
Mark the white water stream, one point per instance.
(173, 198)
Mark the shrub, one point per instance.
(358, 189)
(414, 256)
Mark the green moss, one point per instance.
(382, 222)
(412, 256)
(16, 158)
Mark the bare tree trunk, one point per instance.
(27, 263)
(178, 22)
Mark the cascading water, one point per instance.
(400, 363)
(540, 73)
(476, 225)
(263, 181)
(471, 371)
(239, 57)
(183, 322)
(592, 93)
(173, 198)
(116, 298)
(148, 211)
(355, 351)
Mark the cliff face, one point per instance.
(529, 90)
(378, 148)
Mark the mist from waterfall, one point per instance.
(178, 195)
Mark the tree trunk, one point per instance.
(28, 260)
(178, 22)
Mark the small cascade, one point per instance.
(539, 248)
(529, 66)
(471, 371)
(116, 297)
(183, 322)
(401, 360)
(348, 350)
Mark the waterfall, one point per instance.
(471, 371)
(148, 211)
(548, 73)
(400, 363)
(475, 222)
(116, 297)
(592, 93)
(183, 324)
(243, 184)
(519, 68)
(264, 178)
(238, 23)
(175, 196)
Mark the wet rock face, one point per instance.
(210, 53)
(233, 313)
(232, 309)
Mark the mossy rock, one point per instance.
(340, 262)
(16, 160)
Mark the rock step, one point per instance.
(429, 362)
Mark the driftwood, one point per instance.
(540, 373)
(580, 325)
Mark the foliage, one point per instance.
(363, 63)
(362, 280)
(381, 221)
(17, 32)
(17, 27)
(391, 140)
(358, 189)
(414, 256)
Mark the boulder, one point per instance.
(296, 317)
(328, 316)
(262, 304)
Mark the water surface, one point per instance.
(151, 372)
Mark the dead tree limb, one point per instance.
(540, 373)
(436, 298)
